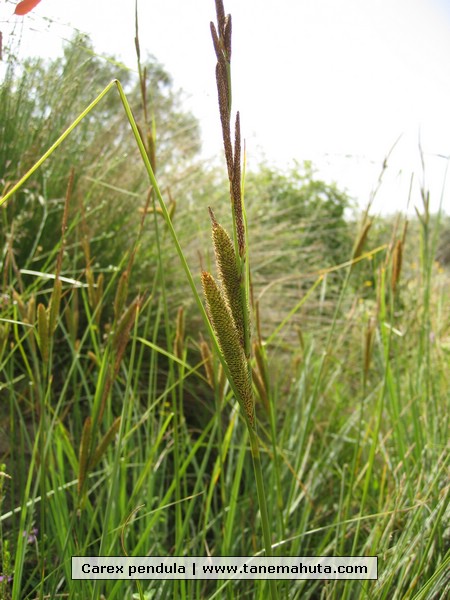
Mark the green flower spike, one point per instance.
(228, 337)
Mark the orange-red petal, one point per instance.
(25, 6)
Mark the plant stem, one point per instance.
(254, 445)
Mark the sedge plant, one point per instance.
(227, 315)
(228, 302)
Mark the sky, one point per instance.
(337, 82)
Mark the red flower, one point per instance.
(25, 6)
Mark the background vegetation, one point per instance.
(118, 432)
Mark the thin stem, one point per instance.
(254, 445)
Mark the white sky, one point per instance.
(334, 81)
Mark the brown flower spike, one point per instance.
(227, 304)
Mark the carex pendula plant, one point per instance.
(227, 301)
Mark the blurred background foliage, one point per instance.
(298, 222)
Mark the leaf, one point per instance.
(84, 452)
(103, 445)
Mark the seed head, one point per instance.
(228, 274)
(229, 343)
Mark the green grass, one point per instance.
(120, 433)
